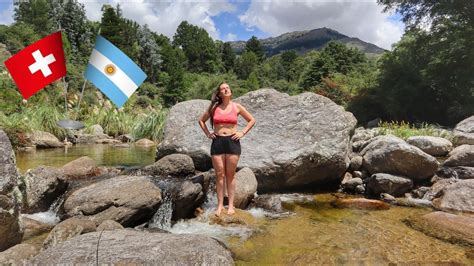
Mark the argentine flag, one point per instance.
(113, 72)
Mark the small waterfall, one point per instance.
(51, 215)
(162, 217)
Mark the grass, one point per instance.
(150, 126)
(404, 130)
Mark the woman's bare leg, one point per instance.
(218, 162)
(231, 161)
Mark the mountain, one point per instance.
(305, 41)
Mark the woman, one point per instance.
(225, 147)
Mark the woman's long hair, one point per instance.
(215, 101)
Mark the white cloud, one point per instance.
(230, 37)
(362, 19)
(165, 16)
(6, 15)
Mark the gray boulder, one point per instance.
(245, 188)
(385, 183)
(18, 254)
(179, 165)
(457, 197)
(68, 229)
(269, 202)
(43, 139)
(10, 230)
(298, 140)
(461, 156)
(391, 155)
(80, 168)
(130, 246)
(464, 131)
(42, 186)
(458, 172)
(127, 200)
(434, 146)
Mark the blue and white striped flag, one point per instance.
(113, 72)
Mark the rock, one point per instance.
(108, 141)
(298, 141)
(178, 165)
(125, 138)
(362, 137)
(457, 197)
(406, 202)
(360, 203)
(359, 174)
(145, 143)
(68, 229)
(88, 138)
(457, 172)
(437, 188)
(109, 225)
(18, 254)
(360, 189)
(452, 228)
(434, 146)
(420, 192)
(245, 187)
(42, 186)
(130, 246)
(386, 183)
(391, 155)
(10, 230)
(33, 227)
(80, 168)
(267, 202)
(189, 196)
(45, 140)
(464, 131)
(240, 217)
(461, 156)
(128, 200)
(351, 184)
(97, 130)
(356, 163)
(374, 122)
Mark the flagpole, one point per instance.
(82, 91)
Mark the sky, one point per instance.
(231, 20)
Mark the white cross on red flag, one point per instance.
(38, 65)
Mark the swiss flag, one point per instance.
(38, 64)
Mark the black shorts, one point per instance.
(225, 145)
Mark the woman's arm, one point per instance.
(247, 116)
(202, 122)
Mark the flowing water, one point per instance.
(314, 233)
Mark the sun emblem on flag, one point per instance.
(110, 69)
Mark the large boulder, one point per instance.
(464, 131)
(457, 197)
(178, 165)
(457, 172)
(297, 141)
(392, 155)
(79, 168)
(434, 146)
(245, 187)
(45, 140)
(130, 246)
(461, 156)
(42, 186)
(18, 254)
(68, 229)
(385, 183)
(128, 200)
(10, 230)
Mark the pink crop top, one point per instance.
(225, 118)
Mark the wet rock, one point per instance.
(68, 229)
(33, 227)
(391, 155)
(461, 156)
(128, 200)
(436, 189)
(80, 168)
(269, 202)
(42, 186)
(18, 254)
(275, 151)
(129, 246)
(43, 139)
(457, 197)
(434, 146)
(178, 165)
(109, 225)
(125, 138)
(457, 172)
(246, 187)
(452, 228)
(386, 183)
(187, 196)
(240, 217)
(10, 230)
(145, 143)
(108, 141)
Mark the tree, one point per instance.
(253, 45)
(175, 89)
(198, 46)
(112, 26)
(150, 58)
(228, 56)
(35, 13)
(246, 64)
(287, 60)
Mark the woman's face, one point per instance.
(224, 90)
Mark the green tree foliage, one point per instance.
(253, 45)
(149, 57)
(111, 26)
(199, 48)
(246, 64)
(36, 14)
(18, 36)
(228, 56)
(287, 62)
(175, 89)
(428, 76)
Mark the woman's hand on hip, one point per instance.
(211, 135)
(237, 135)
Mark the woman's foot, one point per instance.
(231, 211)
(218, 211)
